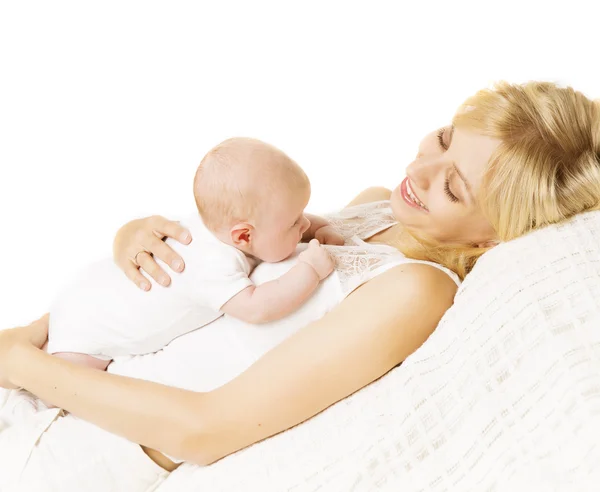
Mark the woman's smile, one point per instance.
(410, 197)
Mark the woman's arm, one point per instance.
(375, 329)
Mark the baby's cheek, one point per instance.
(285, 243)
(292, 240)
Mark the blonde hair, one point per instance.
(546, 169)
(238, 177)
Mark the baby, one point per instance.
(251, 199)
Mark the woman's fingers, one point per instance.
(147, 263)
(127, 243)
(34, 334)
(133, 273)
(139, 240)
(38, 331)
(168, 228)
(163, 252)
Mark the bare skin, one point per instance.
(198, 429)
(374, 330)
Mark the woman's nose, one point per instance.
(423, 169)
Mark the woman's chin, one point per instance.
(403, 212)
(408, 216)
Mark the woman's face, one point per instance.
(437, 198)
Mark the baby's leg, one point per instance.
(83, 360)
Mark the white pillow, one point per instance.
(505, 395)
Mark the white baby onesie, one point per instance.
(103, 314)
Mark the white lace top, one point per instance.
(358, 261)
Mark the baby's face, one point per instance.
(281, 228)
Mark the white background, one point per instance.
(106, 108)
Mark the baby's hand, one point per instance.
(328, 235)
(318, 258)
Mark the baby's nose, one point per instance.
(306, 224)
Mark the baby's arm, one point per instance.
(280, 297)
(321, 230)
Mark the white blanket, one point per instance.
(504, 396)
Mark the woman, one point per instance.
(516, 158)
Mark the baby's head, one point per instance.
(252, 196)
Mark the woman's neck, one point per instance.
(398, 237)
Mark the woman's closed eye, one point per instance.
(451, 196)
(440, 136)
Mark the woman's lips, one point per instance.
(413, 201)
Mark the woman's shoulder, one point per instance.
(421, 276)
(410, 283)
(373, 194)
(398, 308)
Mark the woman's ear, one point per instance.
(241, 234)
(488, 244)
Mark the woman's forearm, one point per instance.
(375, 329)
(156, 416)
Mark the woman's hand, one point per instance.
(35, 334)
(139, 240)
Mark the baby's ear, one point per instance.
(241, 234)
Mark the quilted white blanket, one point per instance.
(504, 396)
